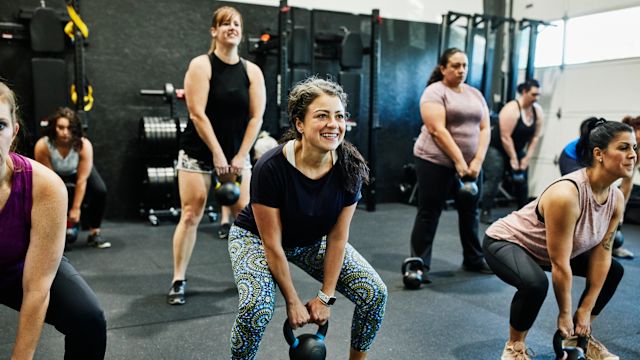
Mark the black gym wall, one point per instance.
(144, 44)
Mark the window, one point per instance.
(603, 36)
(549, 44)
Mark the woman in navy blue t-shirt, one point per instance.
(303, 197)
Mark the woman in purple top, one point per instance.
(569, 231)
(452, 145)
(33, 279)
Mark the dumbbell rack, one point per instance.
(158, 138)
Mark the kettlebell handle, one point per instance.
(236, 179)
(557, 344)
(293, 341)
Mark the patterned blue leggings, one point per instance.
(358, 281)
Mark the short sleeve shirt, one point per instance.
(464, 111)
(308, 208)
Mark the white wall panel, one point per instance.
(607, 89)
(556, 9)
(414, 10)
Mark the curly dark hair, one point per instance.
(75, 125)
(354, 168)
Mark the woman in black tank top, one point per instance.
(226, 99)
(513, 141)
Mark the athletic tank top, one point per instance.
(521, 134)
(63, 166)
(526, 227)
(15, 221)
(227, 109)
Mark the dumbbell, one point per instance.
(569, 352)
(306, 346)
(227, 189)
(412, 272)
(517, 176)
(468, 187)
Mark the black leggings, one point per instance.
(73, 310)
(515, 266)
(95, 198)
(435, 184)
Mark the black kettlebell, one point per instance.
(411, 278)
(569, 352)
(306, 346)
(517, 176)
(618, 238)
(468, 187)
(228, 192)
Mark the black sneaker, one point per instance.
(176, 294)
(97, 241)
(481, 268)
(223, 232)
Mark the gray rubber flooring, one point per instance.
(459, 316)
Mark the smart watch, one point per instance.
(326, 299)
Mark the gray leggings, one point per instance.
(358, 282)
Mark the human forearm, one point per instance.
(509, 148)
(445, 142)
(531, 148)
(279, 267)
(250, 135)
(333, 260)
(205, 131)
(483, 144)
(561, 277)
(32, 314)
(599, 265)
(80, 191)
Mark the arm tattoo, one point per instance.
(607, 244)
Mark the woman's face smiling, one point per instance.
(324, 123)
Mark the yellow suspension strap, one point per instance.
(76, 22)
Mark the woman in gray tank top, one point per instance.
(569, 231)
(69, 153)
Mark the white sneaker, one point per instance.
(622, 253)
(516, 351)
(595, 349)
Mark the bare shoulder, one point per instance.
(200, 64)
(509, 108)
(47, 184)
(253, 71)
(41, 145)
(561, 197)
(86, 142)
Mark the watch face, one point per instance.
(331, 301)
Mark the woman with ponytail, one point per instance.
(226, 99)
(453, 140)
(303, 196)
(568, 231)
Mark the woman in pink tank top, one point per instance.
(569, 231)
(34, 277)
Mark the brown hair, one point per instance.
(75, 125)
(436, 74)
(7, 96)
(633, 121)
(222, 14)
(354, 168)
